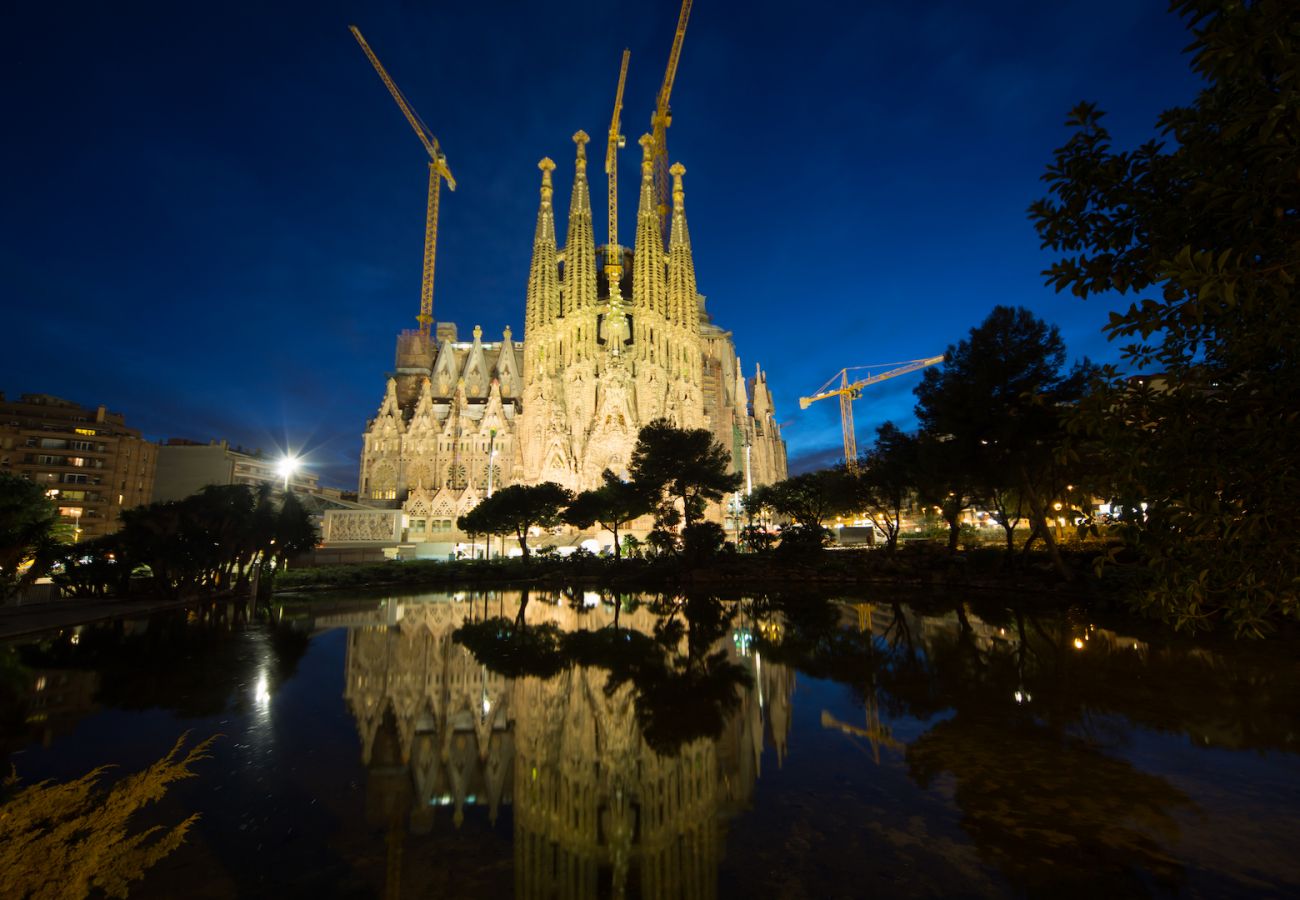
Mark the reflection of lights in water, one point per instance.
(1023, 696)
(262, 693)
(590, 599)
(1078, 643)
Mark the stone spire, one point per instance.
(648, 289)
(543, 278)
(741, 393)
(681, 264)
(580, 244)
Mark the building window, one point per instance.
(457, 478)
(74, 479)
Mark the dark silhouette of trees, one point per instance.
(993, 415)
(683, 466)
(1205, 230)
(886, 479)
(27, 523)
(612, 505)
(515, 509)
(211, 540)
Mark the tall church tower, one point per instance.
(605, 351)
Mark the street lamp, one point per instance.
(287, 466)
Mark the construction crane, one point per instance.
(850, 391)
(663, 117)
(437, 172)
(613, 253)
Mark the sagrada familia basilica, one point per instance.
(611, 342)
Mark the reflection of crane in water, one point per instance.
(877, 734)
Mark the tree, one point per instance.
(67, 840)
(685, 465)
(208, 540)
(944, 478)
(998, 403)
(886, 476)
(516, 508)
(808, 499)
(27, 522)
(612, 505)
(1205, 230)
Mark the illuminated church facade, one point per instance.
(610, 343)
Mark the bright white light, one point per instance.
(262, 693)
(286, 467)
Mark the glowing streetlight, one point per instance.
(287, 466)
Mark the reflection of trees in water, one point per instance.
(683, 684)
(1033, 710)
(621, 733)
(193, 663)
(1050, 809)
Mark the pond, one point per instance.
(557, 744)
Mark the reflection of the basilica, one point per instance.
(594, 807)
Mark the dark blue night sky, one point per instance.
(213, 214)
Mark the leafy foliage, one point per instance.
(208, 540)
(684, 466)
(993, 416)
(27, 541)
(885, 480)
(808, 499)
(515, 509)
(67, 840)
(1206, 228)
(613, 505)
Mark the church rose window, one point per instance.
(456, 478)
(482, 481)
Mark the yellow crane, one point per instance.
(850, 391)
(437, 172)
(613, 253)
(663, 117)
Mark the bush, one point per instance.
(803, 541)
(702, 541)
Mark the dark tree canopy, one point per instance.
(808, 499)
(1205, 227)
(515, 509)
(993, 414)
(685, 465)
(27, 523)
(612, 505)
(885, 480)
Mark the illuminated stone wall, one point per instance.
(611, 342)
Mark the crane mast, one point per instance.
(613, 253)
(663, 117)
(437, 172)
(849, 391)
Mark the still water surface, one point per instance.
(566, 745)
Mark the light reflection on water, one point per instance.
(572, 746)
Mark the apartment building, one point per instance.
(92, 465)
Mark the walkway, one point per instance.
(21, 621)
